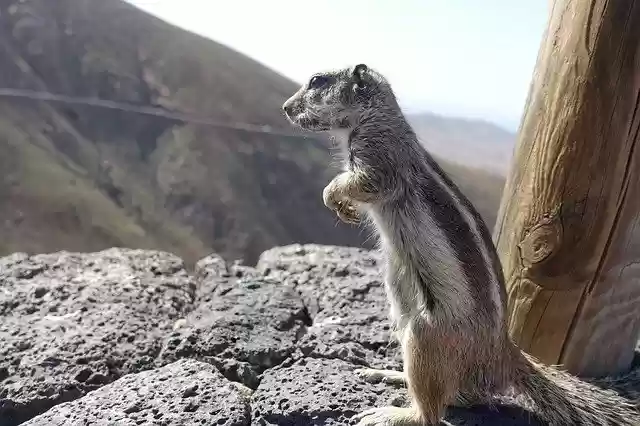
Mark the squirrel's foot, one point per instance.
(387, 416)
(372, 375)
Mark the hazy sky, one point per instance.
(467, 58)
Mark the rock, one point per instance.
(317, 392)
(344, 293)
(129, 337)
(210, 271)
(256, 322)
(186, 392)
(71, 323)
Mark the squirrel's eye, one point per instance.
(318, 81)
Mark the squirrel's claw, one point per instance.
(348, 214)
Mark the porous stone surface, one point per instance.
(72, 323)
(244, 324)
(184, 392)
(317, 392)
(124, 337)
(343, 291)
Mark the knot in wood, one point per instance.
(540, 242)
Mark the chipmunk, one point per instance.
(443, 278)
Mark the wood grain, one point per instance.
(567, 229)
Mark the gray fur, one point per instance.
(442, 274)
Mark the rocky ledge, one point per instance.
(130, 337)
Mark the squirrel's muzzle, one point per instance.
(288, 108)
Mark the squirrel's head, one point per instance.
(336, 99)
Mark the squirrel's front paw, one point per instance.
(331, 195)
(348, 213)
(333, 198)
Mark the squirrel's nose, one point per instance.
(288, 108)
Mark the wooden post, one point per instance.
(568, 229)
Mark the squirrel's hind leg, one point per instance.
(399, 378)
(433, 378)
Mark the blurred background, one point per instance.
(157, 123)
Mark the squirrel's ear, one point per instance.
(358, 72)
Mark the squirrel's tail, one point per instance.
(562, 399)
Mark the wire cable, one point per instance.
(144, 109)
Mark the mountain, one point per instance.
(473, 143)
(80, 177)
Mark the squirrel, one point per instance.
(442, 274)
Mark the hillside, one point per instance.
(473, 143)
(83, 178)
